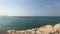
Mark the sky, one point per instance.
(30, 7)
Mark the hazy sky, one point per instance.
(30, 7)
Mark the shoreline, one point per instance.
(47, 29)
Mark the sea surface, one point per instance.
(26, 22)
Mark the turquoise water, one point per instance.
(21, 23)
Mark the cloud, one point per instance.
(54, 4)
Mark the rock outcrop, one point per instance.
(47, 29)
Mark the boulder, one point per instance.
(45, 29)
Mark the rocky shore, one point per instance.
(47, 29)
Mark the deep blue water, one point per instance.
(27, 22)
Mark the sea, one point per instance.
(26, 22)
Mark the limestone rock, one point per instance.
(45, 29)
